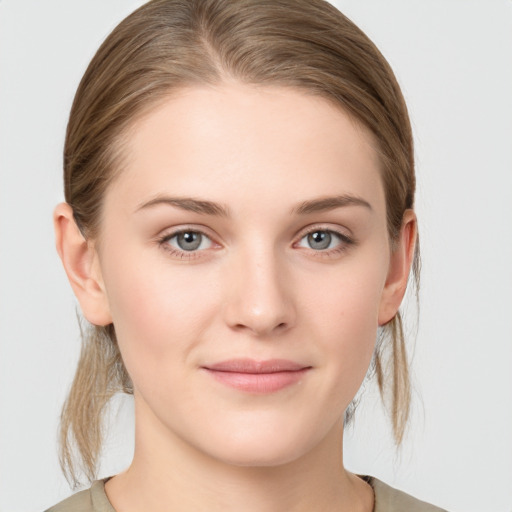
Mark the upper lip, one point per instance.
(253, 366)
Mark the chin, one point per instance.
(264, 447)
(256, 457)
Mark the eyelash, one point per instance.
(182, 254)
(345, 242)
(344, 245)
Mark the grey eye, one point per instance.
(190, 241)
(320, 240)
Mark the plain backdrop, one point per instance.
(453, 59)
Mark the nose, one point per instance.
(259, 296)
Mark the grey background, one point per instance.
(454, 61)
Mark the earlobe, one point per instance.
(401, 260)
(80, 261)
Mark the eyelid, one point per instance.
(337, 230)
(170, 233)
(346, 240)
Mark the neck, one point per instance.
(168, 474)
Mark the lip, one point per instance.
(258, 377)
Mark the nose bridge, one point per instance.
(259, 298)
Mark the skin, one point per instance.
(257, 287)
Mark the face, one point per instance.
(244, 259)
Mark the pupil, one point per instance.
(189, 241)
(319, 240)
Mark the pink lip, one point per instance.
(257, 376)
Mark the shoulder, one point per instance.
(93, 499)
(388, 499)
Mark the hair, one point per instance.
(167, 45)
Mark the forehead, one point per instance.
(236, 142)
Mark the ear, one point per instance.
(81, 263)
(400, 263)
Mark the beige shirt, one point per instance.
(387, 499)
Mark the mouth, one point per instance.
(259, 377)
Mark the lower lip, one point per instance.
(260, 383)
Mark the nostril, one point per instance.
(282, 326)
(261, 313)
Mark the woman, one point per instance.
(239, 230)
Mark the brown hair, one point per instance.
(169, 44)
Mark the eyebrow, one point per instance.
(330, 203)
(205, 207)
(189, 204)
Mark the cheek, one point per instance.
(347, 298)
(343, 311)
(155, 309)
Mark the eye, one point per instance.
(189, 241)
(321, 240)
